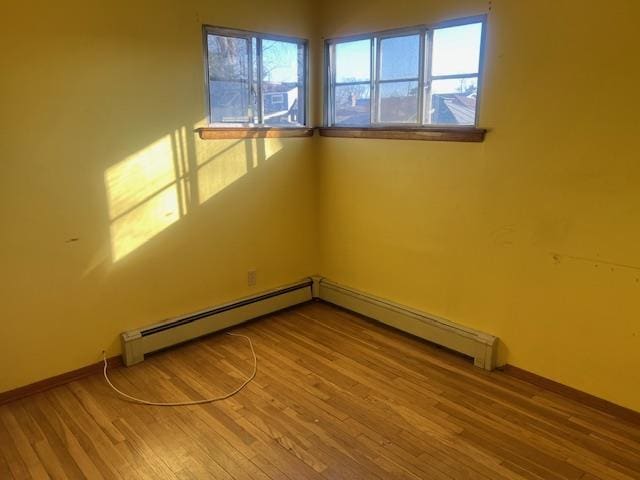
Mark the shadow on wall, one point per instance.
(155, 187)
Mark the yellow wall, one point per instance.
(98, 101)
(532, 235)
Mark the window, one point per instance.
(277, 98)
(411, 77)
(254, 79)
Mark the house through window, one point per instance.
(410, 77)
(255, 79)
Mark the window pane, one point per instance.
(456, 50)
(282, 82)
(281, 104)
(228, 59)
(229, 101)
(353, 61)
(399, 102)
(279, 61)
(399, 57)
(353, 105)
(453, 102)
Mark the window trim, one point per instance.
(459, 133)
(220, 133)
(426, 78)
(259, 36)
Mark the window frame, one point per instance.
(256, 96)
(425, 77)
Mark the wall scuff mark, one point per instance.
(558, 257)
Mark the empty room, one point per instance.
(303, 239)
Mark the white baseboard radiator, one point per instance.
(137, 343)
(479, 345)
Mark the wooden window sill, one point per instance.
(442, 134)
(217, 133)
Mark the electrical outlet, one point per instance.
(252, 278)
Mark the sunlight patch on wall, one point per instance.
(271, 147)
(136, 227)
(153, 188)
(226, 164)
(143, 196)
(182, 169)
(221, 163)
(140, 176)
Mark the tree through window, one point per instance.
(255, 79)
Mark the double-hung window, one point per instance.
(412, 77)
(255, 79)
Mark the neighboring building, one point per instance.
(446, 109)
(230, 102)
(354, 112)
(453, 108)
(393, 109)
(280, 102)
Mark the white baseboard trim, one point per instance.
(481, 346)
(136, 343)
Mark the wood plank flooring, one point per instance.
(336, 397)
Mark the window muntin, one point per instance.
(456, 49)
(246, 71)
(353, 61)
(352, 83)
(399, 57)
(416, 77)
(398, 102)
(398, 79)
(228, 62)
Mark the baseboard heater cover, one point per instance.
(137, 343)
(481, 346)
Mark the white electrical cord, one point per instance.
(188, 402)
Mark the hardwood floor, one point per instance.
(336, 397)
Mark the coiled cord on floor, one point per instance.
(188, 402)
